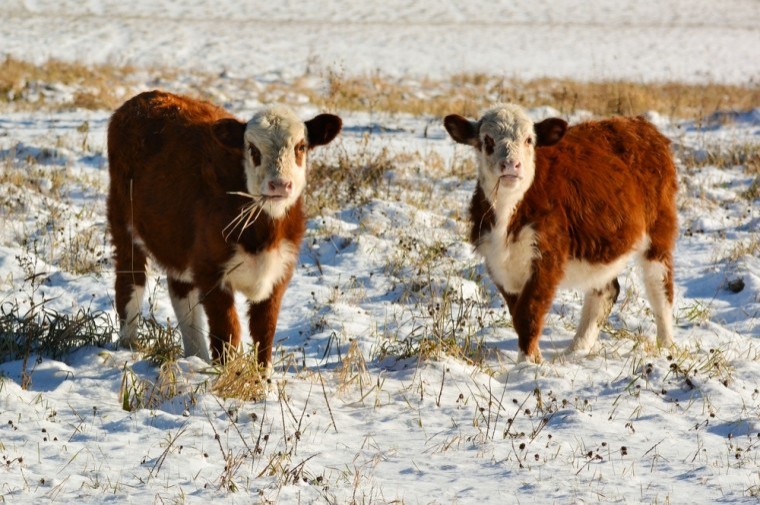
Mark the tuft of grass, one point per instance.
(452, 328)
(158, 344)
(695, 313)
(732, 257)
(137, 392)
(448, 324)
(39, 332)
(686, 364)
(42, 331)
(340, 178)
(750, 247)
(753, 192)
(241, 377)
(82, 251)
(753, 491)
(352, 372)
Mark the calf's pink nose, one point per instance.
(280, 187)
(510, 165)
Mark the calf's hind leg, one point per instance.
(597, 305)
(658, 281)
(657, 266)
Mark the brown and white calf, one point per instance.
(217, 203)
(558, 207)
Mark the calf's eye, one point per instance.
(488, 144)
(255, 154)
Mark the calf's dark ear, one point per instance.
(462, 130)
(323, 129)
(550, 131)
(229, 132)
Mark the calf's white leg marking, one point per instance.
(189, 314)
(597, 304)
(128, 333)
(654, 282)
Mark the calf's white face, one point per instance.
(507, 154)
(274, 145)
(506, 140)
(275, 158)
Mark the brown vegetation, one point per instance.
(105, 86)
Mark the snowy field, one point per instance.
(370, 401)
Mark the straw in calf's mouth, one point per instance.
(247, 215)
(495, 191)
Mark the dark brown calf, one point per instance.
(217, 203)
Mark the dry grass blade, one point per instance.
(246, 216)
(160, 460)
(495, 191)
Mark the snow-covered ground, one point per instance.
(348, 419)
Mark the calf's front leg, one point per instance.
(262, 317)
(223, 324)
(532, 304)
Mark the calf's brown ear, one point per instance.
(550, 131)
(229, 132)
(323, 129)
(462, 130)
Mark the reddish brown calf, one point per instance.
(217, 203)
(558, 207)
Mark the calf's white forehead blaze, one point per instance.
(275, 132)
(506, 124)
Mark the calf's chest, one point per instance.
(255, 275)
(509, 257)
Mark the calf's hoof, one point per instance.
(533, 357)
